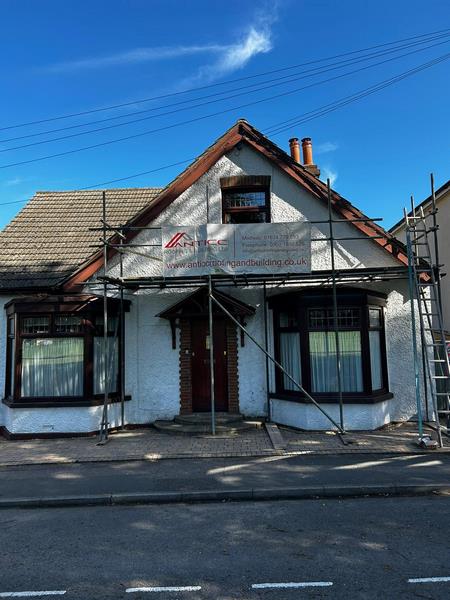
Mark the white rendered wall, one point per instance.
(307, 416)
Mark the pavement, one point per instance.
(223, 479)
(150, 467)
(394, 548)
(152, 445)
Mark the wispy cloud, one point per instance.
(256, 39)
(135, 56)
(14, 181)
(233, 58)
(326, 147)
(224, 58)
(329, 173)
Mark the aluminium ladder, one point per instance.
(425, 277)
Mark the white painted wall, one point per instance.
(307, 416)
(152, 366)
(443, 220)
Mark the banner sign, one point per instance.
(257, 248)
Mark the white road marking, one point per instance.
(297, 584)
(29, 594)
(186, 588)
(429, 580)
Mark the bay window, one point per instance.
(306, 344)
(56, 353)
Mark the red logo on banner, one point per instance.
(176, 241)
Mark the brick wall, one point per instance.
(185, 367)
(232, 369)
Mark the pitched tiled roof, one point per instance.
(50, 238)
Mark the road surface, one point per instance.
(356, 549)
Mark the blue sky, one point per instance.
(59, 57)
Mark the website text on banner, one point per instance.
(267, 248)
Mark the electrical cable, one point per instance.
(193, 120)
(303, 118)
(287, 79)
(277, 128)
(172, 94)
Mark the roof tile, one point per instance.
(50, 237)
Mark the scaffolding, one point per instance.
(422, 244)
(115, 239)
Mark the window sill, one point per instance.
(373, 399)
(55, 403)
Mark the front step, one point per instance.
(204, 418)
(204, 428)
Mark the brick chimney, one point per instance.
(295, 149)
(308, 162)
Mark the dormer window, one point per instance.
(245, 199)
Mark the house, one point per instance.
(442, 203)
(54, 355)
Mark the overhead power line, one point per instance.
(96, 185)
(189, 121)
(283, 80)
(279, 127)
(212, 85)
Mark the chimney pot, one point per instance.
(295, 149)
(308, 157)
(307, 151)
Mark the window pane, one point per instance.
(322, 348)
(290, 358)
(10, 349)
(35, 325)
(52, 367)
(244, 199)
(246, 216)
(111, 364)
(318, 319)
(12, 365)
(323, 318)
(112, 324)
(11, 331)
(11, 359)
(375, 360)
(288, 319)
(68, 324)
(374, 317)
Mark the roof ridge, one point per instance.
(75, 191)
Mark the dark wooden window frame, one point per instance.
(301, 303)
(20, 311)
(246, 184)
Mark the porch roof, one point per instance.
(196, 304)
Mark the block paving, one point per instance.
(149, 444)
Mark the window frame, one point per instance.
(20, 310)
(11, 352)
(246, 189)
(304, 301)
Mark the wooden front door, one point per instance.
(200, 365)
